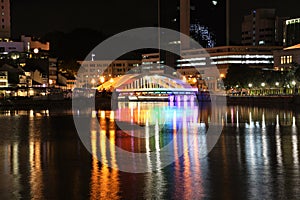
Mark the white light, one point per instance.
(263, 84)
(277, 83)
(215, 2)
(250, 85)
(36, 50)
(294, 83)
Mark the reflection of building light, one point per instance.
(112, 116)
(237, 118)
(263, 121)
(295, 149)
(277, 121)
(278, 141)
(294, 122)
(102, 114)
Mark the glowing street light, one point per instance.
(36, 50)
(250, 85)
(263, 84)
(102, 79)
(294, 84)
(277, 84)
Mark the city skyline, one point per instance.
(116, 16)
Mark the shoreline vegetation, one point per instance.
(105, 102)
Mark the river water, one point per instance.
(256, 155)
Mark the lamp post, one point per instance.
(277, 85)
(294, 86)
(263, 85)
(250, 86)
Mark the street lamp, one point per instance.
(294, 84)
(277, 85)
(102, 79)
(263, 85)
(250, 86)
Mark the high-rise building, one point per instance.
(5, 20)
(262, 27)
(291, 32)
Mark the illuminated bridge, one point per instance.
(150, 87)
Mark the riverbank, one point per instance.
(263, 100)
(104, 103)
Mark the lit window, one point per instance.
(289, 59)
(282, 61)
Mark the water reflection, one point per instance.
(257, 155)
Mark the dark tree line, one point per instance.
(242, 76)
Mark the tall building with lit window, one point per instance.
(262, 27)
(5, 20)
(291, 32)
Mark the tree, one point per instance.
(241, 76)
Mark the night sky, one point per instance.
(37, 17)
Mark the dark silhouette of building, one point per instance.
(262, 27)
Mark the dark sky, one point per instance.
(37, 17)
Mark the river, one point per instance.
(255, 156)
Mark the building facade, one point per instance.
(5, 26)
(286, 58)
(262, 27)
(291, 32)
(95, 72)
(25, 45)
(202, 61)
